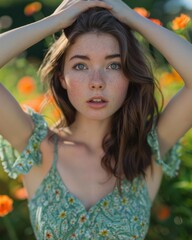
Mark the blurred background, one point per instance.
(171, 217)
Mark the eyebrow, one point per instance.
(84, 57)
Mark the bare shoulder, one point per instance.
(47, 148)
(37, 174)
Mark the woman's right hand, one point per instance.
(69, 10)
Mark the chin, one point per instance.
(97, 116)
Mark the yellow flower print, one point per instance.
(135, 218)
(71, 200)
(104, 232)
(124, 200)
(135, 237)
(62, 214)
(48, 235)
(35, 147)
(82, 219)
(105, 204)
(142, 224)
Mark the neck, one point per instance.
(89, 132)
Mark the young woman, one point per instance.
(94, 177)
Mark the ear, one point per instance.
(62, 81)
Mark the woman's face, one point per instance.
(93, 76)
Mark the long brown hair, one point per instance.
(127, 144)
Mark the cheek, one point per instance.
(123, 84)
(74, 85)
(72, 81)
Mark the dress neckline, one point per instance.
(78, 201)
(62, 184)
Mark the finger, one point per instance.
(93, 3)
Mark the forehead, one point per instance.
(94, 43)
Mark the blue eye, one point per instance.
(115, 66)
(80, 67)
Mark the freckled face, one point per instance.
(93, 76)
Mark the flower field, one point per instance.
(172, 211)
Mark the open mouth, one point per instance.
(97, 99)
(97, 102)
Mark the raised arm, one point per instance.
(17, 40)
(15, 125)
(176, 119)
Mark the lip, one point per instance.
(97, 105)
(97, 97)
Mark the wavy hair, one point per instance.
(127, 152)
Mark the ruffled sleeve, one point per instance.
(170, 163)
(15, 164)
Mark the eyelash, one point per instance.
(76, 66)
(117, 64)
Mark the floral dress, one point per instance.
(57, 214)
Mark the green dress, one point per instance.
(57, 214)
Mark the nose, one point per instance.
(97, 80)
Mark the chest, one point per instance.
(84, 177)
(57, 211)
(80, 172)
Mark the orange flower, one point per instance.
(166, 79)
(35, 103)
(26, 85)
(57, 113)
(142, 11)
(180, 22)
(177, 77)
(32, 8)
(20, 193)
(6, 205)
(163, 213)
(157, 21)
(170, 77)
